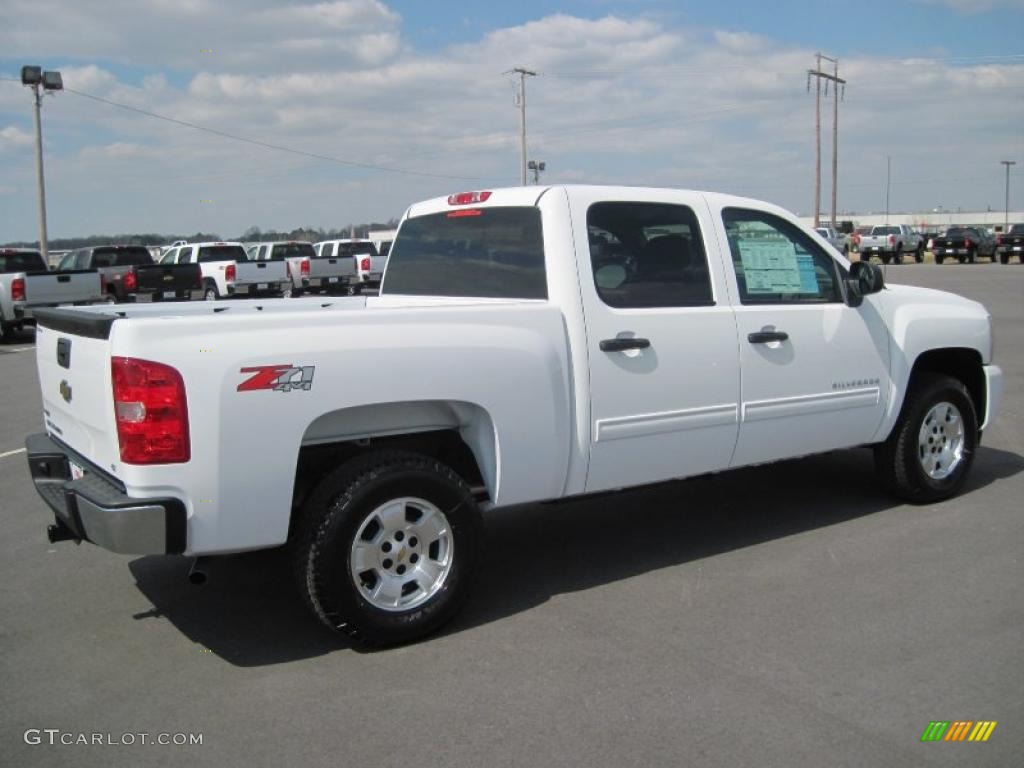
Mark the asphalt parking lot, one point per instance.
(789, 615)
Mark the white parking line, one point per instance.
(16, 451)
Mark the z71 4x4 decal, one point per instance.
(280, 378)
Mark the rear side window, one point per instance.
(475, 252)
(776, 262)
(121, 257)
(221, 253)
(22, 262)
(291, 250)
(647, 255)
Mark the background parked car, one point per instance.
(964, 244)
(1011, 243)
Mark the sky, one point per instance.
(354, 109)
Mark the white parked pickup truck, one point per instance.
(892, 243)
(215, 260)
(528, 344)
(27, 285)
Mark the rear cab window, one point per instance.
(357, 249)
(121, 257)
(494, 252)
(30, 262)
(208, 253)
(282, 251)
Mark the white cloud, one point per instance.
(13, 137)
(977, 6)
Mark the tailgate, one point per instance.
(74, 378)
(333, 266)
(250, 272)
(168, 277)
(62, 288)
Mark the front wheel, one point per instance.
(387, 547)
(930, 451)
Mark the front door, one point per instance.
(814, 370)
(661, 338)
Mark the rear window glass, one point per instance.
(1016, 229)
(477, 252)
(222, 253)
(22, 262)
(354, 249)
(121, 257)
(886, 231)
(291, 250)
(960, 232)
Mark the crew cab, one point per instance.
(891, 243)
(335, 269)
(529, 344)
(217, 263)
(1011, 243)
(128, 271)
(294, 255)
(965, 244)
(26, 284)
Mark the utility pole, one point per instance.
(836, 81)
(41, 82)
(522, 120)
(1006, 220)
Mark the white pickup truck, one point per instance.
(528, 344)
(892, 243)
(27, 285)
(215, 260)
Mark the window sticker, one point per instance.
(771, 266)
(808, 277)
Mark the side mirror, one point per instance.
(865, 278)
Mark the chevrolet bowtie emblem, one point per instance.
(65, 391)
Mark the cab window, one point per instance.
(776, 262)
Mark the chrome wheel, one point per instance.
(402, 554)
(940, 442)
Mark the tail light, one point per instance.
(967, 242)
(18, 289)
(131, 282)
(931, 243)
(999, 239)
(304, 268)
(229, 273)
(151, 412)
(365, 264)
(892, 239)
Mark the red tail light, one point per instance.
(365, 265)
(304, 268)
(18, 289)
(892, 239)
(131, 282)
(968, 242)
(151, 412)
(229, 273)
(999, 239)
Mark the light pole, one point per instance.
(1006, 220)
(536, 167)
(41, 82)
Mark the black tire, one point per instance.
(898, 461)
(885, 258)
(6, 331)
(961, 259)
(939, 259)
(972, 255)
(919, 254)
(1004, 258)
(331, 519)
(210, 292)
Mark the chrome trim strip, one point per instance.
(639, 425)
(803, 405)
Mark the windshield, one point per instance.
(480, 252)
(26, 261)
(221, 253)
(290, 250)
(121, 256)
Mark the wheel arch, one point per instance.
(460, 434)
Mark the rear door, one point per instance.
(815, 371)
(661, 338)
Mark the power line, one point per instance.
(276, 147)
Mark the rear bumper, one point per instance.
(94, 509)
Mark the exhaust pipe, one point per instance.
(197, 572)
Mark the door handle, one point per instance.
(763, 337)
(621, 344)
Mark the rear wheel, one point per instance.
(210, 292)
(930, 451)
(972, 255)
(885, 258)
(939, 258)
(919, 253)
(1004, 258)
(387, 547)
